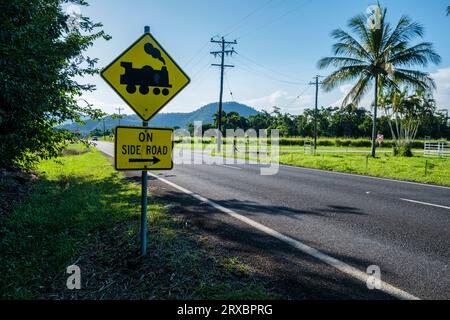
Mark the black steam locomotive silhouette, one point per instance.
(145, 78)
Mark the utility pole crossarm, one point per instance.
(219, 65)
(221, 52)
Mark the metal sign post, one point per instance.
(144, 203)
(144, 195)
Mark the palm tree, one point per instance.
(448, 10)
(378, 55)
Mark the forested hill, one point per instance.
(181, 120)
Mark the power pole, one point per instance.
(119, 109)
(316, 83)
(104, 128)
(222, 66)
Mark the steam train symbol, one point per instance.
(146, 76)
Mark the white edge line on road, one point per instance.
(426, 203)
(226, 166)
(341, 266)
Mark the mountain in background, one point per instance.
(204, 114)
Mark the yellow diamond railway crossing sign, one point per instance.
(145, 77)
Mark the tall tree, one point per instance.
(41, 55)
(406, 112)
(378, 55)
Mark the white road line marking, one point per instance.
(341, 266)
(224, 165)
(426, 203)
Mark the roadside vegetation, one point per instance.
(81, 211)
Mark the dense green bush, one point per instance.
(403, 151)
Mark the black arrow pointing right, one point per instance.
(153, 161)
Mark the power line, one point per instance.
(229, 88)
(267, 68)
(260, 73)
(196, 54)
(298, 97)
(240, 22)
(275, 19)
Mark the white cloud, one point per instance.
(282, 99)
(106, 106)
(442, 94)
(366, 101)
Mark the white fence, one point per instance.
(438, 149)
(308, 147)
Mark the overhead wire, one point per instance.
(260, 73)
(242, 20)
(269, 69)
(270, 22)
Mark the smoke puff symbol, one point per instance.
(155, 53)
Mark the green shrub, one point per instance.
(403, 151)
(361, 143)
(343, 143)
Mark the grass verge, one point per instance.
(80, 211)
(417, 168)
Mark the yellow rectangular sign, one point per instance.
(143, 148)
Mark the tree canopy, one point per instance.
(41, 55)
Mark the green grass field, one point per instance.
(385, 165)
(82, 211)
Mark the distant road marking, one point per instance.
(224, 165)
(341, 266)
(426, 203)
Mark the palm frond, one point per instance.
(358, 91)
(344, 75)
(420, 54)
(404, 31)
(348, 45)
(414, 79)
(359, 26)
(339, 62)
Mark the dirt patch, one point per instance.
(14, 186)
(74, 152)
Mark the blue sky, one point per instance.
(279, 44)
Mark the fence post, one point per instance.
(426, 167)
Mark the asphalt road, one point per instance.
(403, 228)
